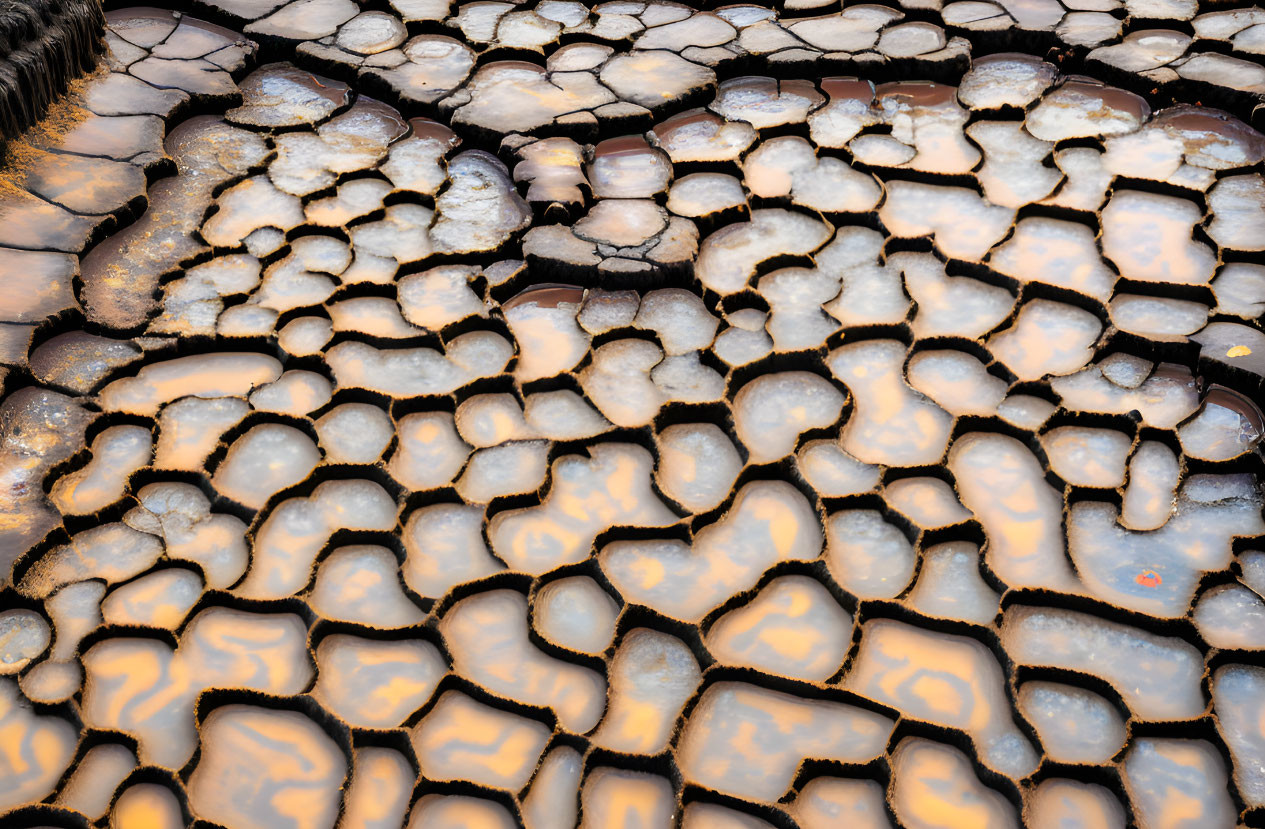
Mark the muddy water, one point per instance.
(801, 467)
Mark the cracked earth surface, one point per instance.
(638, 415)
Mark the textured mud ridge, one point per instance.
(634, 416)
(44, 45)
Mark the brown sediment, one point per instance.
(546, 296)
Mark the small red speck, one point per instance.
(1149, 578)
